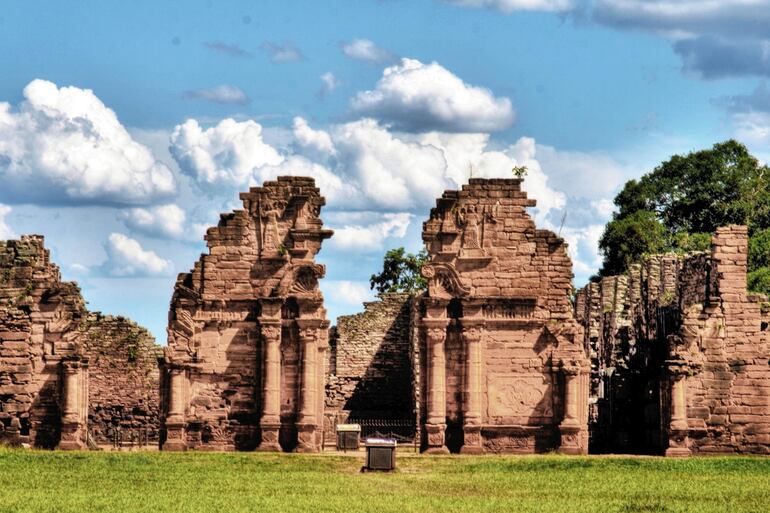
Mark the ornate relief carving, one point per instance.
(469, 220)
(515, 396)
(435, 335)
(512, 309)
(306, 281)
(505, 443)
(443, 281)
(270, 332)
(436, 438)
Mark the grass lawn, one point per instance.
(61, 482)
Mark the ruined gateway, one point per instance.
(496, 356)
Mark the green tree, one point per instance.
(689, 196)
(401, 272)
(626, 240)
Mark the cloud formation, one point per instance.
(417, 97)
(220, 94)
(282, 52)
(365, 50)
(369, 231)
(347, 292)
(329, 83)
(222, 156)
(714, 38)
(5, 230)
(126, 257)
(509, 6)
(63, 145)
(231, 50)
(163, 221)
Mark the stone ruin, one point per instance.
(680, 354)
(494, 357)
(248, 335)
(501, 356)
(64, 371)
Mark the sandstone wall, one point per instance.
(370, 373)
(65, 372)
(680, 328)
(248, 334)
(123, 376)
(502, 360)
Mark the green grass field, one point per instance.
(231, 482)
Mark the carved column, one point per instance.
(678, 431)
(570, 426)
(472, 335)
(74, 420)
(308, 414)
(176, 439)
(270, 423)
(435, 426)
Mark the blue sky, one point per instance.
(126, 127)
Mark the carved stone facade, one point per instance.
(248, 335)
(503, 364)
(680, 354)
(59, 364)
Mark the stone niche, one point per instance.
(59, 364)
(680, 354)
(503, 366)
(248, 335)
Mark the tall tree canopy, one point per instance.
(682, 201)
(400, 272)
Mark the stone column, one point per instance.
(308, 414)
(270, 423)
(176, 439)
(570, 426)
(472, 335)
(678, 431)
(435, 426)
(74, 420)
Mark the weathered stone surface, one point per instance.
(56, 358)
(680, 355)
(248, 335)
(502, 362)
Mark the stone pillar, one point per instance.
(678, 431)
(472, 335)
(74, 420)
(570, 426)
(435, 426)
(176, 439)
(270, 423)
(308, 414)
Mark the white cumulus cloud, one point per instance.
(220, 94)
(126, 257)
(346, 291)
(222, 156)
(508, 6)
(416, 97)
(63, 145)
(160, 221)
(369, 236)
(329, 83)
(365, 50)
(5, 231)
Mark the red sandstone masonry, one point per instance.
(716, 342)
(248, 333)
(503, 366)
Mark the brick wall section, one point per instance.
(692, 309)
(44, 323)
(258, 257)
(494, 268)
(371, 373)
(123, 379)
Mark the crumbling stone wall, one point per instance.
(682, 354)
(502, 362)
(123, 374)
(370, 373)
(39, 316)
(248, 334)
(48, 344)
